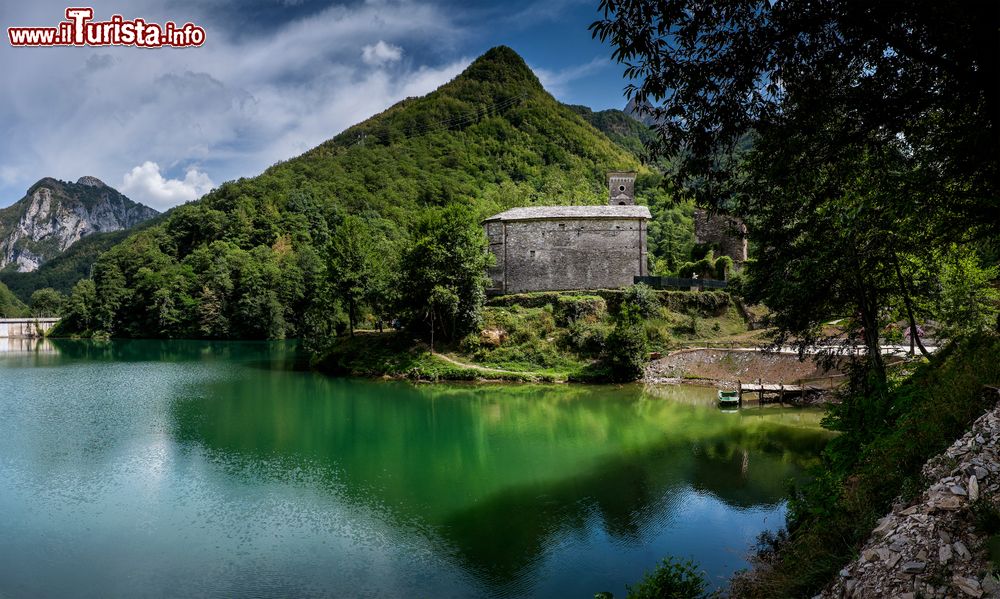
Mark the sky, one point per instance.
(273, 79)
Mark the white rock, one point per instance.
(973, 488)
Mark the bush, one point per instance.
(709, 267)
(625, 350)
(587, 338)
(643, 298)
(671, 580)
(570, 308)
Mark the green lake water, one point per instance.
(163, 469)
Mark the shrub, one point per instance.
(625, 350)
(586, 338)
(643, 298)
(570, 308)
(671, 580)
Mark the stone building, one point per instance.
(726, 234)
(554, 248)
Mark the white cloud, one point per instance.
(381, 53)
(146, 185)
(233, 106)
(556, 81)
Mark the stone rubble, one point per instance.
(931, 547)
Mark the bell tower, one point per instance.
(621, 189)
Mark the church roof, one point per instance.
(557, 212)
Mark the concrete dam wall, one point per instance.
(21, 328)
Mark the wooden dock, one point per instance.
(774, 392)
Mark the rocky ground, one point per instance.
(931, 547)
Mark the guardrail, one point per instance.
(680, 283)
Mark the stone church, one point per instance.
(555, 248)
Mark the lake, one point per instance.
(177, 468)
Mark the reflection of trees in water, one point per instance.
(281, 355)
(634, 496)
(498, 471)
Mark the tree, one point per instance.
(47, 302)
(969, 301)
(78, 316)
(842, 73)
(849, 136)
(112, 294)
(355, 265)
(625, 348)
(444, 273)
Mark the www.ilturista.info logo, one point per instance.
(79, 29)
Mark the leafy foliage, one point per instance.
(10, 305)
(672, 579)
(625, 350)
(47, 302)
(709, 267)
(878, 72)
(836, 130)
(444, 273)
(969, 301)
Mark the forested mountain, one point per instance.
(65, 269)
(620, 127)
(251, 258)
(53, 215)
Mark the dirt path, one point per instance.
(461, 364)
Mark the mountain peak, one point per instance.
(90, 181)
(501, 65)
(55, 214)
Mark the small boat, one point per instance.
(729, 398)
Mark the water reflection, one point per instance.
(499, 472)
(26, 345)
(224, 468)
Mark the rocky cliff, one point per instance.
(55, 214)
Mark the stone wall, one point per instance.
(559, 254)
(727, 233)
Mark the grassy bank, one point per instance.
(540, 336)
(394, 355)
(930, 406)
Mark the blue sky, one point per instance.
(274, 78)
